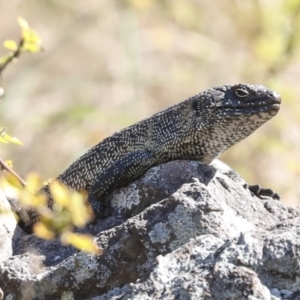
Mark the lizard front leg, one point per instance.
(120, 173)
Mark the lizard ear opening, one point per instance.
(195, 106)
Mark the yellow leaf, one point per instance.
(10, 45)
(34, 182)
(43, 232)
(80, 212)
(60, 193)
(9, 163)
(5, 138)
(29, 47)
(30, 36)
(80, 241)
(22, 23)
(30, 200)
(14, 140)
(32, 42)
(11, 180)
(9, 188)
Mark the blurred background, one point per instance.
(108, 64)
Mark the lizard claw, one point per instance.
(258, 191)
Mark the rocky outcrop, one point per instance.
(8, 226)
(184, 230)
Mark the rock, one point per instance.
(184, 230)
(8, 226)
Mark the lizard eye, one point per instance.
(241, 92)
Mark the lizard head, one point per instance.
(248, 100)
(228, 114)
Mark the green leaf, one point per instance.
(10, 45)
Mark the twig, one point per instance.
(5, 167)
(15, 54)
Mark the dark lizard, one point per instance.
(199, 128)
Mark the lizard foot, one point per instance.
(259, 191)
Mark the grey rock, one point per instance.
(8, 226)
(184, 230)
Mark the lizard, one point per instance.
(199, 128)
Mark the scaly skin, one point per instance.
(199, 128)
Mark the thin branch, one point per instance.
(5, 167)
(15, 54)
